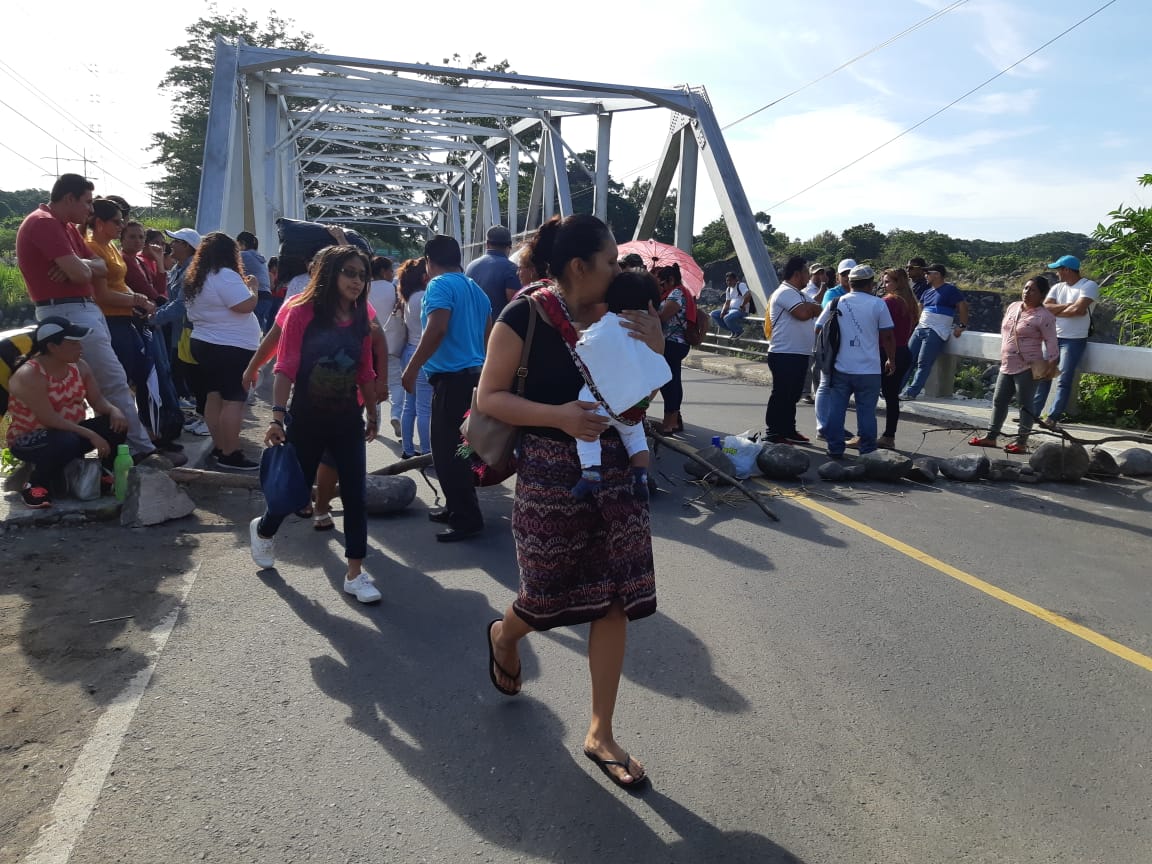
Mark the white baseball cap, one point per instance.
(845, 265)
(189, 236)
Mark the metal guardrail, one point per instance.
(1120, 361)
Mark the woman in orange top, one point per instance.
(47, 408)
(119, 303)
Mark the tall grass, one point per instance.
(12, 290)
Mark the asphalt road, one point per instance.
(828, 688)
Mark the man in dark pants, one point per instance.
(789, 351)
(457, 317)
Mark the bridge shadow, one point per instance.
(417, 685)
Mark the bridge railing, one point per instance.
(1121, 361)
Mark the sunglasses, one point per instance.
(354, 273)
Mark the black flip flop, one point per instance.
(493, 665)
(603, 765)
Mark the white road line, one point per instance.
(81, 790)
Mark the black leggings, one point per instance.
(890, 388)
(673, 392)
(49, 450)
(343, 440)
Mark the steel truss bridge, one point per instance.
(386, 143)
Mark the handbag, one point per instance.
(396, 331)
(494, 441)
(282, 480)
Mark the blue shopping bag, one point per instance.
(282, 481)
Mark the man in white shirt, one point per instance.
(1070, 300)
(865, 327)
(737, 297)
(789, 351)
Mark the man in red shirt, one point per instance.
(60, 270)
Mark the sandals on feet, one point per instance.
(604, 764)
(323, 522)
(983, 442)
(1016, 447)
(493, 666)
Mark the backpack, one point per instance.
(828, 340)
(13, 345)
(697, 325)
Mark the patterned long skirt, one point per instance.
(578, 556)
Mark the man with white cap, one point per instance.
(865, 327)
(60, 271)
(830, 294)
(1070, 300)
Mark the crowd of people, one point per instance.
(889, 332)
(135, 332)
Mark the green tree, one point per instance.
(866, 243)
(932, 246)
(181, 151)
(1125, 263)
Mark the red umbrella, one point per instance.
(657, 254)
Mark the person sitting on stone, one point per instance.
(49, 392)
(628, 291)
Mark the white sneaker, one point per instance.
(263, 551)
(197, 427)
(362, 588)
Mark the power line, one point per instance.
(940, 111)
(22, 156)
(921, 23)
(889, 41)
(106, 172)
(59, 109)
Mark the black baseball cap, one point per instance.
(56, 328)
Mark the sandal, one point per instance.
(1016, 447)
(493, 666)
(977, 441)
(323, 522)
(603, 765)
(305, 512)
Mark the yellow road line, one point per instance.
(1066, 624)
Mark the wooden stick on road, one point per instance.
(685, 450)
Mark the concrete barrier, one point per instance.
(1121, 361)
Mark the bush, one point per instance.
(970, 379)
(1113, 401)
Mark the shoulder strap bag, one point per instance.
(494, 441)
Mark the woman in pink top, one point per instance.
(1029, 332)
(324, 395)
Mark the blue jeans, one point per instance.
(264, 311)
(1071, 353)
(733, 322)
(841, 388)
(417, 409)
(925, 346)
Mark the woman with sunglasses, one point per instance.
(324, 383)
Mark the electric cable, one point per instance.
(940, 111)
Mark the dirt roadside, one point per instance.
(61, 660)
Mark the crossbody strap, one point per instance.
(522, 369)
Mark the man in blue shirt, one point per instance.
(944, 315)
(493, 272)
(457, 317)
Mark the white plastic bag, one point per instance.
(83, 478)
(743, 452)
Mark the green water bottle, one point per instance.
(120, 467)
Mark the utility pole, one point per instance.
(83, 158)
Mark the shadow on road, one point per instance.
(418, 686)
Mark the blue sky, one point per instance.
(1053, 145)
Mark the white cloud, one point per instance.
(1005, 102)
